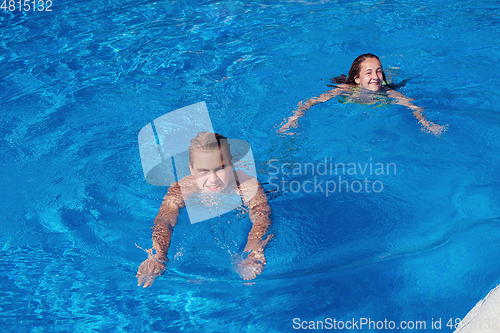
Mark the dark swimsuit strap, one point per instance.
(238, 185)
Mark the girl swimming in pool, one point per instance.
(365, 85)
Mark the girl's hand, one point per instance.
(292, 122)
(428, 126)
(437, 129)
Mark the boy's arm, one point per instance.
(303, 107)
(259, 215)
(164, 223)
(255, 198)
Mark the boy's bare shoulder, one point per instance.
(250, 188)
(187, 181)
(177, 191)
(243, 177)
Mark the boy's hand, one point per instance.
(253, 264)
(149, 270)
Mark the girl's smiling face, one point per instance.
(370, 76)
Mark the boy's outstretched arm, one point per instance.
(163, 227)
(254, 262)
(303, 107)
(427, 125)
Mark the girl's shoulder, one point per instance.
(391, 92)
(387, 90)
(344, 88)
(358, 95)
(349, 87)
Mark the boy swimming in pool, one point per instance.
(211, 167)
(365, 78)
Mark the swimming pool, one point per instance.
(79, 82)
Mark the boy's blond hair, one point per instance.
(206, 141)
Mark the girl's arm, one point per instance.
(303, 107)
(427, 125)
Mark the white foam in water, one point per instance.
(485, 316)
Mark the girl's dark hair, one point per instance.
(355, 71)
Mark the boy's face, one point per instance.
(211, 170)
(370, 76)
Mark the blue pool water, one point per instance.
(78, 83)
